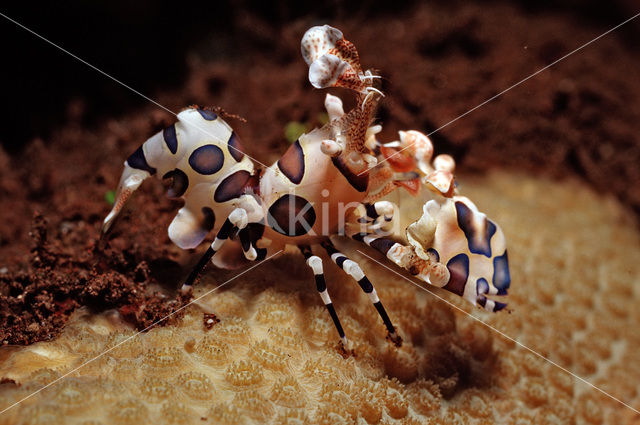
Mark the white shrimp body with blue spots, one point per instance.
(203, 157)
(306, 196)
(472, 247)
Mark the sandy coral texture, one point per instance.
(273, 357)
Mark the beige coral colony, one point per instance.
(563, 352)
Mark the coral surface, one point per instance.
(273, 357)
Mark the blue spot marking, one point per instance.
(382, 244)
(232, 186)
(359, 182)
(501, 275)
(235, 147)
(482, 287)
(478, 243)
(207, 159)
(137, 160)
(498, 306)
(459, 269)
(434, 252)
(292, 163)
(209, 219)
(179, 183)
(292, 215)
(170, 138)
(207, 115)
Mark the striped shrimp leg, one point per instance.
(353, 269)
(315, 263)
(237, 220)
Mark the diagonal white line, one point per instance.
(138, 333)
(501, 333)
(511, 87)
(121, 83)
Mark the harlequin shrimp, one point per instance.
(305, 197)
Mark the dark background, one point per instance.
(144, 44)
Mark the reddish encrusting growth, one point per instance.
(36, 303)
(209, 320)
